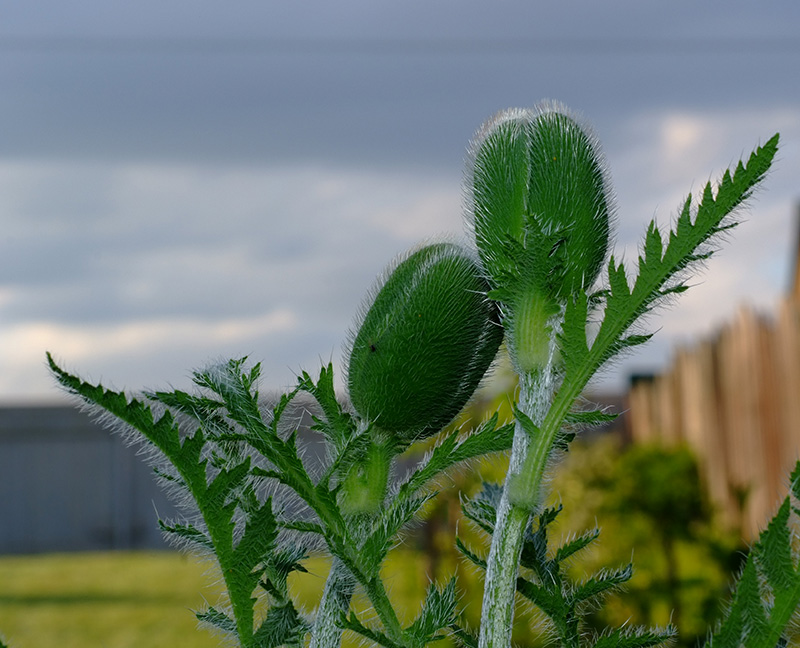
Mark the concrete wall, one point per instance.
(67, 484)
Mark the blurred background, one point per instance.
(186, 181)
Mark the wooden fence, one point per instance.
(735, 400)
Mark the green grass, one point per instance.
(137, 599)
(109, 600)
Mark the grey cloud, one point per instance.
(454, 18)
(372, 102)
(180, 164)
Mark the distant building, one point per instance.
(67, 484)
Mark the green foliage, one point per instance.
(545, 578)
(541, 210)
(438, 612)
(424, 344)
(767, 596)
(664, 486)
(560, 369)
(245, 548)
(226, 453)
(684, 557)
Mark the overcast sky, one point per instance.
(182, 181)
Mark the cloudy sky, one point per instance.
(182, 181)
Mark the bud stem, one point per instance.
(532, 331)
(521, 496)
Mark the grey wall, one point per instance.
(67, 484)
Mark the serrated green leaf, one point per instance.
(282, 626)
(487, 439)
(618, 281)
(747, 617)
(574, 346)
(381, 538)
(632, 638)
(303, 526)
(162, 432)
(546, 599)
(198, 407)
(351, 452)
(673, 290)
(227, 480)
(482, 509)
(653, 245)
(438, 611)
(170, 478)
(624, 305)
(217, 619)
(774, 552)
(463, 637)
(602, 583)
(337, 426)
(526, 422)
(277, 566)
(562, 440)
(188, 457)
(767, 595)
(571, 547)
(534, 546)
(258, 540)
(354, 625)
(469, 554)
(632, 341)
(188, 532)
(452, 451)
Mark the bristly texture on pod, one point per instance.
(540, 206)
(423, 343)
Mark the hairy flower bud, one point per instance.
(424, 343)
(540, 207)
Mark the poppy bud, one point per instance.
(540, 209)
(424, 343)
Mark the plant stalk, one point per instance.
(529, 457)
(339, 587)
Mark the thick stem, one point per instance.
(362, 495)
(528, 461)
(502, 566)
(335, 602)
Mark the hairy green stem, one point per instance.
(521, 494)
(339, 587)
(240, 598)
(501, 575)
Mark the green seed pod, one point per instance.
(424, 343)
(540, 204)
